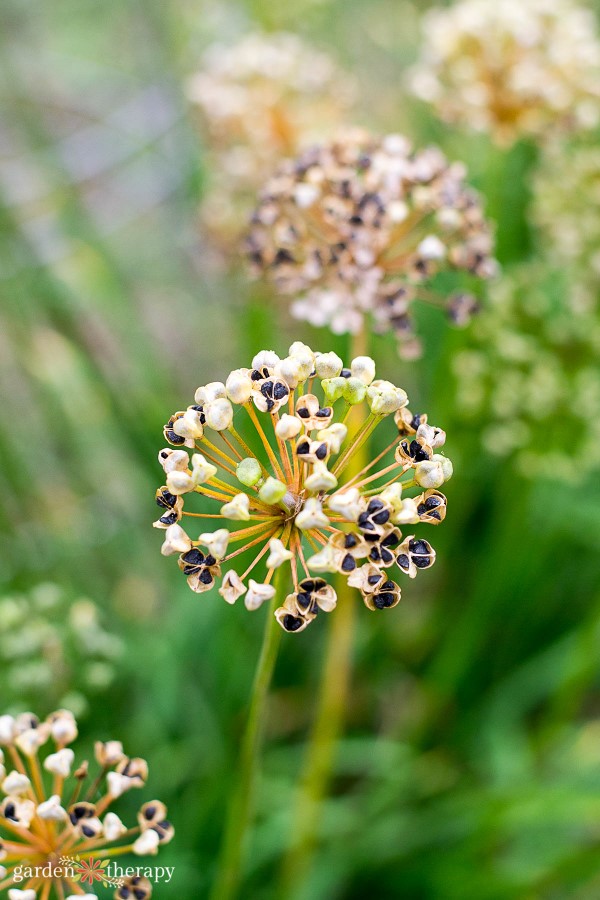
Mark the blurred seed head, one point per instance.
(513, 69)
(362, 226)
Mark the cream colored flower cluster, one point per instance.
(53, 811)
(272, 447)
(515, 68)
(361, 226)
(260, 100)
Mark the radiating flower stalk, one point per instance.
(275, 448)
(57, 825)
(358, 230)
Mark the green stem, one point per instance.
(229, 872)
(319, 758)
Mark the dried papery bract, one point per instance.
(361, 226)
(513, 69)
(280, 473)
(57, 810)
(260, 100)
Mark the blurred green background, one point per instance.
(470, 767)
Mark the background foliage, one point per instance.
(471, 761)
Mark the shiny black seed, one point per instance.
(280, 391)
(209, 560)
(164, 454)
(168, 519)
(418, 546)
(388, 586)
(174, 438)
(374, 579)
(303, 600)
(321, 451)
(415, 421)
(150, 812)
(417, 452)
(345, 373)
(403, 561)
(256, 375)
(323, 413)
(9, 811)
(309, 584)
(270, 404)
(392, 540)
(422, 562)
(303, 413)
(205, 577)
(303, 448)
(140, 894)
(382, 601)
(382, 517)
(194, 557)
(386, 556)
(87, 831)
(374, 505)
(350, 541)
(348, 563)
(266, 389)
(291, 623)
(374, 554)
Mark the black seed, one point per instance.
(209, 560)
(418, 546)
(256, 375)
(270, 404)
(303, 413)
(309, 584)
(323, 413)
(382, 517)
(321, 451)
(417, 452)
(140, 894)
(403, 561)
(374, 579)
(415, 421)
(382, 601)
(164, 454)
(348, 563)
(123, 893)
(374, 554)
(9, 811)
(280, 391)
(388, 586)
(169, 519)
(193, 556)
(386, 556)
(433, 502)
(205, 577)
(303, 600)
(174, 438)
(345, 373)
(266, 388)
(350, 541)
(422, 562)
(303, 448)
(392, 540)
(291, 623)
(364, 521)
(150, 812)
(374, 505)
(87, 831)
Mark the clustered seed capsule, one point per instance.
(360, 226)
(285, 471)
(46, 830)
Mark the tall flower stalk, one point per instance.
(282, 444)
